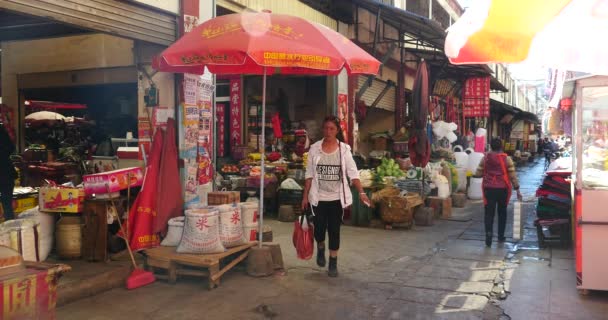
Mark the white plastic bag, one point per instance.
(201, 232)
(290, 184)
(174, 233)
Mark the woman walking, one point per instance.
(327, 192)
(499, 177)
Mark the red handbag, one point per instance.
(303, 239)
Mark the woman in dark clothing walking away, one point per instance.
(327, 192)
(7, 174)
(499, 177)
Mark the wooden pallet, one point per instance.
(190, 264)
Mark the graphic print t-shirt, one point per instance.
(328, 174)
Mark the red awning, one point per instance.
(54, 105)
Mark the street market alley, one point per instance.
(438, 272)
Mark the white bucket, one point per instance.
(249, 211)
(462, 158)
(474, 160)
(475, 189)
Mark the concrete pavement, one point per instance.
(438, 272)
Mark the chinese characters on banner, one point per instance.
(476, 97)
(235, 113)
(343, 114)
(221, 117)
(31, 294)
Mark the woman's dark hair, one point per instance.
(496, 144)
(336, 122)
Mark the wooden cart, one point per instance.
(167, 258)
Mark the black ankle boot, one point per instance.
(333, 267)
(488, 240)
(502, 239)
(321, 257)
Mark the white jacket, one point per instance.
(348, 166)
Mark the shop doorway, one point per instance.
(111, 112)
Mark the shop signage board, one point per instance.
(476, 97)
(166, 5)
(235, 113)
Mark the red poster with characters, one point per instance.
(343, 114)
(31, 294)
(221, 128)
(235, 113)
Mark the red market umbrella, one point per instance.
(169, 189)
(262, 43)
(558, 33)
(48, 105)
(419, 145)
(257, 43)
(143, 212)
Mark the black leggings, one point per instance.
(328, 217)
(494, 198)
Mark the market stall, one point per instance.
(590, 177)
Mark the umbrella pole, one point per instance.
(262, 171)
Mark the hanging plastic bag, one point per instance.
(303, 238)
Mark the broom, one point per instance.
(139, 277)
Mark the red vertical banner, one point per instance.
(235, 113)
(221, 128)
(190, 15)
(343, 114)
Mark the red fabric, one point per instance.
(544, 193)
(419, 159)
(476, 97)
(143, 211)
(303, 239)
(247, 43)
(276, 126)
(169, 188)
(419, 144)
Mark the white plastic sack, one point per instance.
(231, 227)
(201, 232)
(21, 235)
(290, 184)
(250, 233)
(249, 211)
(47, 230)
(174, 233)
(451, 137)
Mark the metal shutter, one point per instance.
(387, 102)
